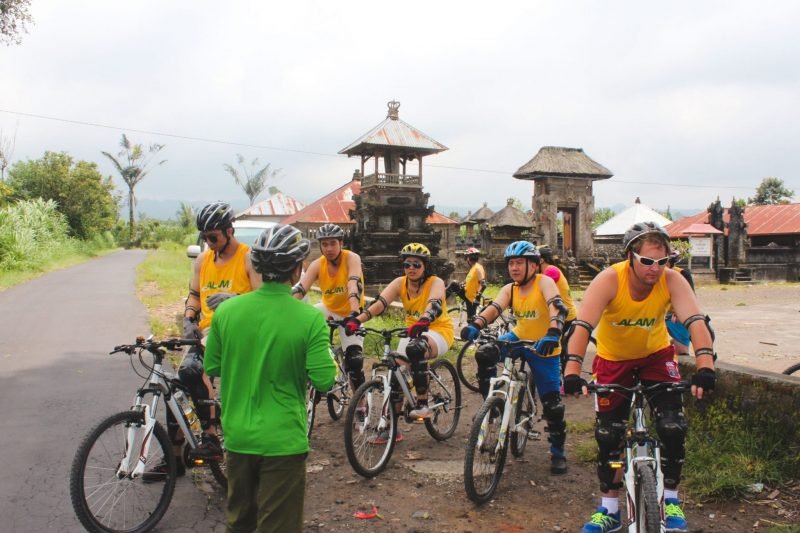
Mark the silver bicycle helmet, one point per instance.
(217, 215)
(278, 250)
(639, 230)
(330, 231)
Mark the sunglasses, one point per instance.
(412, 264)
(647, 261)
(210, 238)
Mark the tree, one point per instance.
(6, 152)
(14, 18)
(86, 198)
(252, 180)
(131, 163)
(454, 215)
(601, 215)
(771, 191)
(186, 216)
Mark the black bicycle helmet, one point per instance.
(278, 250)
(639, 230)
(217, 215)
(330, 231)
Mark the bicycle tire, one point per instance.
(339, 396)
(312, 397)
(94, 468)
(483, 465)
(464, 359)
(368, 447)
(792, 369)
(525, 408)
(218, 468)
(648, 509)
(444, 421)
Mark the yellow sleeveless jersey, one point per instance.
(473, 282)
(443, 325)
(335, 295)
(532, 313)
(630, 329)
(230, 277)
(566, 295)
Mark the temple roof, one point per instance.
(510, 216)
(277, 204)
(638, 212)
(394, 133)
(761, 220)
(481, 215)
(556, 161)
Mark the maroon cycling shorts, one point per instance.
(660, 366)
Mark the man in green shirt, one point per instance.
(265, 345)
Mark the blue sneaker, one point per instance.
(676, 521)
(602, 522)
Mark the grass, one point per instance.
(162, 285)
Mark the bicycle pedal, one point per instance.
(534, 435)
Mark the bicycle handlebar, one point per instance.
(394, 332)
(607, 388)
(151, 345)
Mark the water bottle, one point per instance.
(188, 411)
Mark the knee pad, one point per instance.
(191, 370)
(671, 425)
(609, 435)
(487, 355)
(354, 358)
(552, 407)
(417, 349)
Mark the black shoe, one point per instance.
(159, 472)
(558, 465)
(208, 450)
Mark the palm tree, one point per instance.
(186, 216)
(131, 163)
(253, 181)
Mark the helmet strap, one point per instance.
(220, 253)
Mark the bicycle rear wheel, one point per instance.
(339, 395)
(444, 394)
(526, 410)
(106, 502)
(466, 367)
(485, 460)
(648, 510)
(370, 429)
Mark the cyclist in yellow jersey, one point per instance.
(474, 284)
(220, 272)
(537, 306)
(338, 272)
(430, 330)
(627, 303)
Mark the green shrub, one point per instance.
(32, 233)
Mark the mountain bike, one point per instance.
(644, 481)
(465, 362)
(371, 420)
(507, 416)
(339, 396)
(108, 479)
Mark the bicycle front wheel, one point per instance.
(792, 369)
(523, 423)
(105, 500)
(370, 429)
(339, 395)
(467, 368)
(486, 455)
(648, 510)
(444, 394)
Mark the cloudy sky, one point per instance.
(683, 101)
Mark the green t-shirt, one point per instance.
(265, 346)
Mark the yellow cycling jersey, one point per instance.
(230, 277)
(629, 329)
(472, 284)
(335, 295)
(563, 290)
(443, 324)
(532, 313)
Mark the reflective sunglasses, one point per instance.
(210, 238)
(412, 264)
(647, 261)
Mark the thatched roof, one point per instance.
(481, 215)
(396, 134)
(510, 216)
(556, 161)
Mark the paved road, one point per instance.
(57, 380)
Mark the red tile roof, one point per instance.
(335, 208)
(760, 220)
